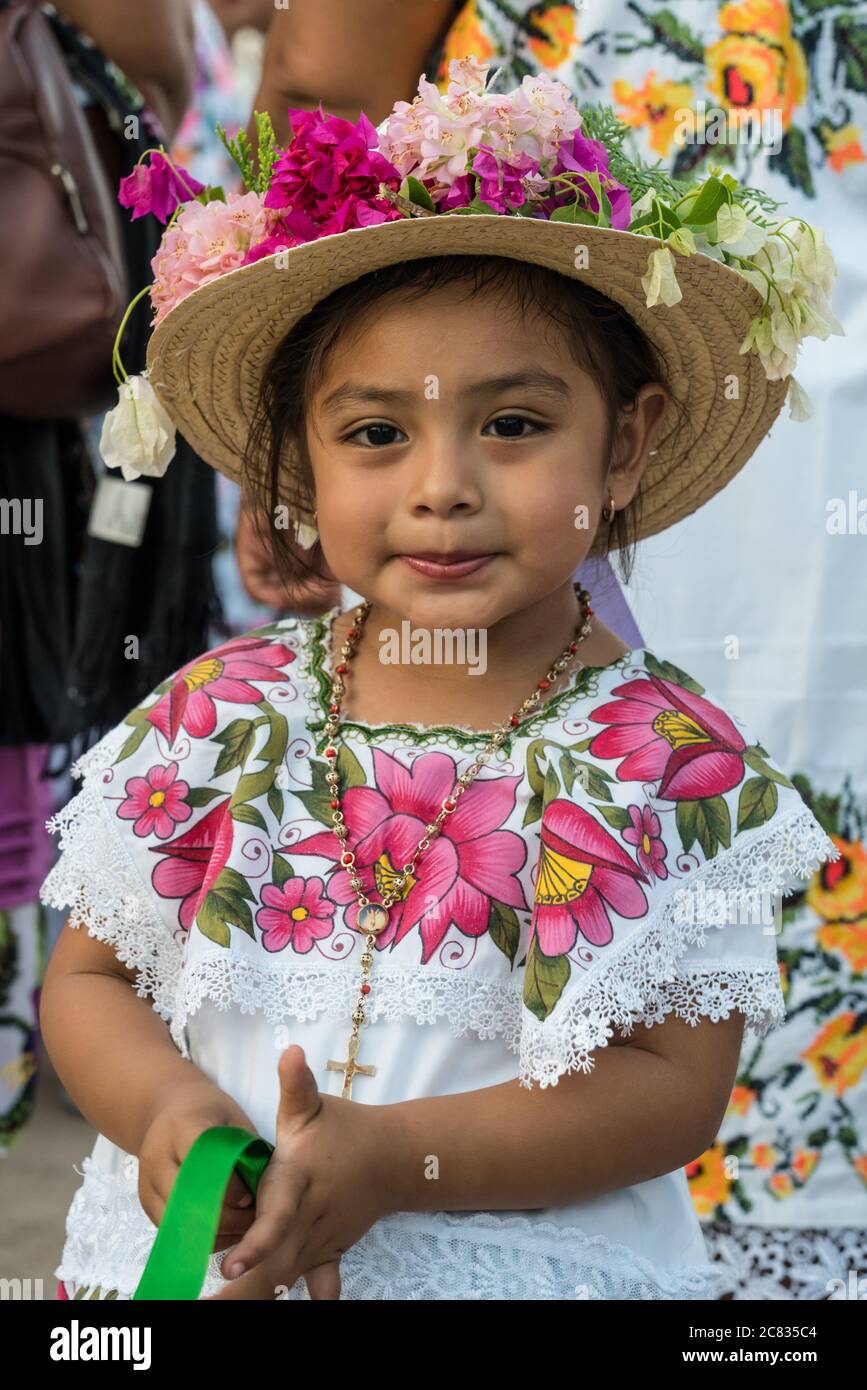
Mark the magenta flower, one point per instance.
(295, 913)
(500, 181)
(277, 241)
(156, 802)
(223, 674)
(327, 179)
(583, 872)
(157, 187)
(470, 862)
(662, 731)
(580, 155)
(644, 833)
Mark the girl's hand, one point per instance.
(326, 1184)
(180, 1116)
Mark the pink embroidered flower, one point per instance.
(470, 862)
(327, 179)
(222, 674)
(206, 240)
(156, 802)
(643, 832)
(157, 187)
(194, 861)
(583, 872)
(295, 913)
(662, 731)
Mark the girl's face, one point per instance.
(449, 425)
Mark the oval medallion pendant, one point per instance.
(372, 918)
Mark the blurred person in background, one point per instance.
(69, 604)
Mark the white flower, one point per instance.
(137, 435)
(644, 203)
(707, 248)
(736, 233)
(800, 405)
(660, 282)
(683, 240)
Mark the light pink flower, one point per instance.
(644, 833)
(206, 240)
(296, 913)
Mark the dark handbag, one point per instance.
(63, 281)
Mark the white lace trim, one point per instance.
(408, 1255)
(640, 982)
(815, 1264)
(96, 877)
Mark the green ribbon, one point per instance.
(179, 1257)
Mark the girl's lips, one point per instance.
(436, 569)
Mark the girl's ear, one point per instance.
(634, 440)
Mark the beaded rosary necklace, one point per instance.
(372, 918)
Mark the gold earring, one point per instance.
(609, 512)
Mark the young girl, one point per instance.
(457, 901)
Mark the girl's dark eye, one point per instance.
(380, 435)
(512, 426)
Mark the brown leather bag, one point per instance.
(63, 280)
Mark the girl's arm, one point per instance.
(363, 56)
(110, 1048)
(652, 1103)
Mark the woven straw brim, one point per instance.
(207, 357)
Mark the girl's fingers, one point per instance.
(266, 1235)
(323, 1281)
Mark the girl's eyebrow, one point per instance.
(356, 393)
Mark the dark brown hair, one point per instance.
(603, 339)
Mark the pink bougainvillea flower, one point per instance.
(662, 731)
(580, 155)
(157, 187)
(500, 180)
(644, 832)
(583, 873)
(296, 913)
(207, 240)
(194, 861)
(222, 674)
(327, 179)
(470, 862)
(156, 802)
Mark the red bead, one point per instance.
(331, 752)
(365, 989)
(514, 721)
(573, 646)
(449, 805)
(346, 858)
(589, 609)
(342, 669)
(353, 632)
(335, 805)
(334, 709)
(543, 685)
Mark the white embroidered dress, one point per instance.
(617, 860)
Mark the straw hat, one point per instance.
(207, 356)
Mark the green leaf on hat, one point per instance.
(415, 191)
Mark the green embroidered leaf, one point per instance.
(678, 38)
(281, 870)
(231, 881)
(567, 771)
(210, 922)
(133, 742)
(757, 802)
(534, 809)
(793, 161)
(504, 929)
(237, 741)
(594, 780)
(617, 816)
(317, 799)
(200, 796)
(552, 786)
(221, 909)
(249, 815)
(275, 802)
(349, 769)
(759, 765)
(850, 52)
(707, 821)
(667, 671)
(545, 978)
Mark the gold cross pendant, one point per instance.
(350, 1067)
